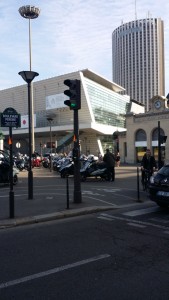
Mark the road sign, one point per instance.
(10, 118)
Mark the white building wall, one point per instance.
(62, 124)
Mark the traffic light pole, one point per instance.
(74, 102)
(159, 147)
(77, 182)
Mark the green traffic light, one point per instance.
(74, 94)
(73, 105)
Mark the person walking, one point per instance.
(109, 159)
(118, 159)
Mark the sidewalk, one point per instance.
(50, 199)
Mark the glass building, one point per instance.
(102, 113)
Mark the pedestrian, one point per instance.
(118, 159)
(148, 163)
(109, 159)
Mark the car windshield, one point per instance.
(164, 171)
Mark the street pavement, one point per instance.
(53, 197)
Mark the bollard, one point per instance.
(67, 189)
(138, 185)
(11, 204)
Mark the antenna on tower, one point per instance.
(135, 10)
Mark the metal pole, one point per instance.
(11, 192)
(67, 188)
(159, 147)
(50, 147)
(32, 102)
(138, 185)
(30, 12)
(30, 173)
(77, 182)
(30, 46)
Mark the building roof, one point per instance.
(103, 81)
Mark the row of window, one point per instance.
(108, 107)
(141, 135)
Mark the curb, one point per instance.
(8, 223)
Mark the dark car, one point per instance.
(159, 187)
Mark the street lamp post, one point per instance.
(50, 119)
(30, 12)
(28, 76)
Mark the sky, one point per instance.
(69, 35)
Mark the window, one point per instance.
(141, 135)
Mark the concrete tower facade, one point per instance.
(138, 58)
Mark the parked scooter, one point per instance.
(57, 162)
(67, 168)
(92, 168)
(21, 164)
(101, 171)
(46, 163)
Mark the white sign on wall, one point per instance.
(55, 101)
(25, 121)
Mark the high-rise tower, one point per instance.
(138, 58)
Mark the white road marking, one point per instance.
(108, 190)
(134, 221)
(140, 212)
(159, 220)
(43, 194)
(102, 201)
(105, 218)
(52, 271)
(91, 193)
(136, 225)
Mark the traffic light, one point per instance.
(73, 93)
(163, 139)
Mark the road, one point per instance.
(50, 192)
(118, 254)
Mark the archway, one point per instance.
(155, 144)
(140, 144)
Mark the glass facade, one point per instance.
(108, 107)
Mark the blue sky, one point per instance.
(69, 35)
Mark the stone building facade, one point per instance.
(142, 132)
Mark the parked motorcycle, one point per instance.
(46, 161)
(36, 160)
(57, 163)
(92, 168)
(101, 171)
(67, 167)
(20, 164)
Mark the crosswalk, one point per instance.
(140, 212)
(140, 218)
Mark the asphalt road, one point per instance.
(117, 254)
(50, 192)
